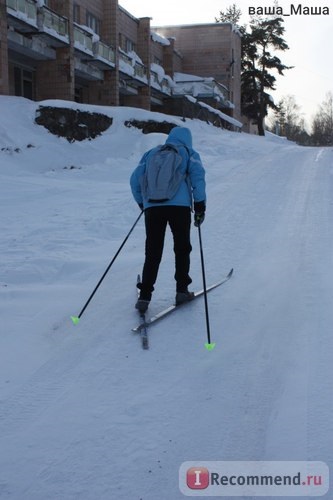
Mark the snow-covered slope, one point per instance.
(85, 412)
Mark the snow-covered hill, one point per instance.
(85, 412)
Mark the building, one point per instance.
(216, 54)
(98, 53)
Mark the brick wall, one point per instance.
(56, 79)
(143, 44)
(208, 50)
(96, 8)
(106, 92)
(156, 51)
(128, 27)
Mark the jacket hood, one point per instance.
(180, 135)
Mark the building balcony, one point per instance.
(83, 40)
(53, 26)
(30, 47)
(160, 82)
(87, 43)
(22, 15)
(126, 89)
(140, 71)
(86, 71)
(104, 56)
(133, 70)
(166, 86)
(199, 87)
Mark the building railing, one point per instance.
(125, 58)
(55, 25)
(132, 67)
(159, 83)
(83, 39)
(53, 21)
(166, 87)
(154, 78)
(140, 70)
(105, 52)
(201, 87)
(25, 7)
(222, 89)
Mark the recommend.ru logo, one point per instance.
(254, 479)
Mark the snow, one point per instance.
(156, 37)
(134, 56)
(128, 62)
(159, 80)
(95, 36)
(186, 77)
(199, 86)
(225, 117)
(190, 98)
(219, 113)
(85, 412)
(159, 70)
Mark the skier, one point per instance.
(176, 212)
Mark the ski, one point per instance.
(147, 322)
(144, 332)
(143, 328)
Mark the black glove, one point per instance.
(140, 206)
(199, 212)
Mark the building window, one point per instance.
(24, 83)
(129, 45)
(93, 22)
(76, 13)
(126, 44)
(158, 61)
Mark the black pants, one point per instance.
(156, 220)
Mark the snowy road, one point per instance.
(85, 413)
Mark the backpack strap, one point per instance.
(187, 175)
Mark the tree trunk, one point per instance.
(261, 115)
(261, 128)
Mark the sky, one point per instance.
(309, 38)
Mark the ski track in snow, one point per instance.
(91, 415)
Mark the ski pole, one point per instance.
(76, 319)
(209, 346)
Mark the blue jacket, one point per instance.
(180, 136)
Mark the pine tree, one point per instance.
(257, 64)
(231, 15)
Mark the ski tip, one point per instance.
(210, 347)
(230, 272)
(75, 319)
